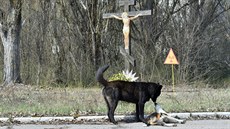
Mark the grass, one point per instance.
(49, 101)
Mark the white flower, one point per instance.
(130, 75)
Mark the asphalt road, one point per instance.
(197, 124)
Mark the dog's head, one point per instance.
(155, 91)
(152, 118)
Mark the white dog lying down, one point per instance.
(160, 117)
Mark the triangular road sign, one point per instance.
(171, 58)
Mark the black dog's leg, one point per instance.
(111, 99)
(111, 112)
(137, 113)
(141, 112)
(108, 107)
(111, 109)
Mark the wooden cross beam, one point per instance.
(132, 13)
(126, 4)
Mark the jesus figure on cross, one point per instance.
(126, 29)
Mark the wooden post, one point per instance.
(126, 3)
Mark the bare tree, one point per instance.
(65, 40)
(10, 28)
(194, 33)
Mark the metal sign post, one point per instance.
(171, 59)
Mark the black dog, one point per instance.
(134, 92)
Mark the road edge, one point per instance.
(191, 116)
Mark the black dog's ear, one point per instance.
(159, 85)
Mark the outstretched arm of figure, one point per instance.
(119, 18)
(132, 18)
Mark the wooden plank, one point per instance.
(126, 2)
(143, 13)
(109, 15)
(132, 13)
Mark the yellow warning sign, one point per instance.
(171, 58)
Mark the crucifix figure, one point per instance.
(126, 17)
(126, 27)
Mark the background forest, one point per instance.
(65, 41)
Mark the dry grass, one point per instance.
(48, 101)
(198, 100)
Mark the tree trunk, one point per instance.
(10, 35)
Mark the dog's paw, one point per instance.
(115, 122)
(174, 125)
(146, 125)
(183, 122)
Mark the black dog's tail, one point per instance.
(99, 75)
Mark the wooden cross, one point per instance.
(126, 3)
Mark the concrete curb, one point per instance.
(194, 115)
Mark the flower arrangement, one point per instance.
(124, 76)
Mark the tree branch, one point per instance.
(186, 4)
(2, 34)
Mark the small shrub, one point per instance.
(118, 76)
